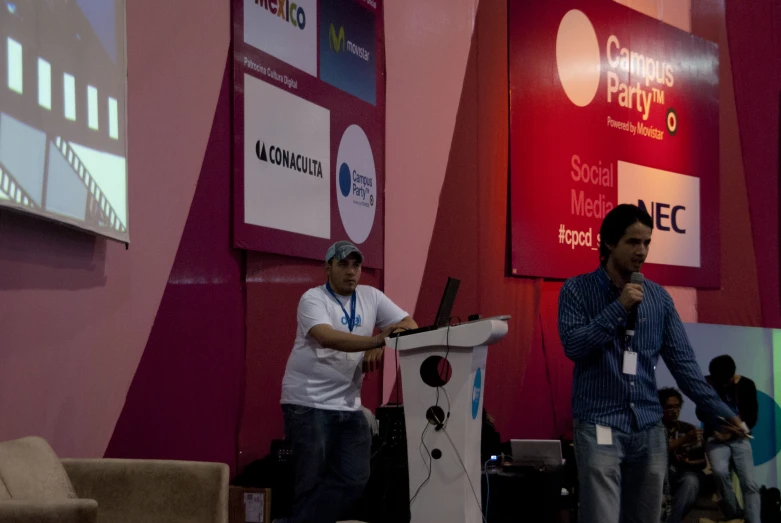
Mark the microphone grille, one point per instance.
(637, 277)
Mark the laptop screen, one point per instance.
(446, 305)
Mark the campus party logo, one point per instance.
(338, 43)
(356, 184)
(285, 10)
(580, 66)
(476, 389)
(359, 185)
(289, 159)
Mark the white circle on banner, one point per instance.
(577, 57)
(356, 184)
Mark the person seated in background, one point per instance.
(686, 455)
(727, 444)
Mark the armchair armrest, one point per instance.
(34, 511)
(152, 490)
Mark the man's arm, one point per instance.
(702, 415)
(692, 434)
(678, 354)
(373, 358)
(579, 335)
(331, 338)
(749, 408)
(407, 323)
(388, 313)
(313, 317)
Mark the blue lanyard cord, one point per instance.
(349, 317)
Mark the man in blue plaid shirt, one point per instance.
(620, 443)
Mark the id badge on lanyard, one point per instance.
(630, 357)
(350, 318)
(630, 362)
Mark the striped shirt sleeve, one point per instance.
(579, 334)
(679, 356)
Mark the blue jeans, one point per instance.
(739, 451)
(331, 453)
(685, 486)
(621, 482)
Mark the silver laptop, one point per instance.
(537, 453)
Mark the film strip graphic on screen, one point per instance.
(62, 119)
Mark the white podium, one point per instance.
(454, 448)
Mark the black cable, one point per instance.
(429, 464)
(466, 473)
(487, 489)
(442, 423)
(382, 445)
(446, 366)
(447, 397)
(447, 338)
(398, 370)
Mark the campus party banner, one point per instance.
(309, 126)
(609, 106)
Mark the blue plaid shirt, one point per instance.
(591, 327)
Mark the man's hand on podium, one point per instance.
(372, 359)
(379, 340)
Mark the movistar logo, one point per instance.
(286, 10)
(338, 43)
(289, 160)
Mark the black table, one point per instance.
(525, 494)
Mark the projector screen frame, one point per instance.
(11, 206)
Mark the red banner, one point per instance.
(309, 126)
(609, 106)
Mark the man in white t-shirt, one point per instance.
(321, 390)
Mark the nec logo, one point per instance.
(673, 201)
(664, 219)
(286, 10)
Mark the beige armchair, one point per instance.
(36, 487)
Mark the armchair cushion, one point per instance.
(152, 491)
(65, 511)
(29, 469)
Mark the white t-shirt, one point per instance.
(326, 378)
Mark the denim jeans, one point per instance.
(621, 482)
(685, 486)
(739, 451)
(331, 453)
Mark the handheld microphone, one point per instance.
(631, 320)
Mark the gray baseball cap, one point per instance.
(341, 250)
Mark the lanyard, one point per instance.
(349, 317)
